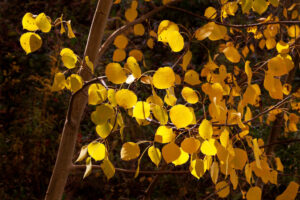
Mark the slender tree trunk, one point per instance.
(65, 153)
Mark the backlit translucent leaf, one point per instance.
(240, 158)
(115, 73)
(181, 116)
(97, 150)
(141, 110)
(164, 134)
(224, 138)
(214, 172)
(102, 113)
(126, 98)
(119, 55)
(70, 31)
(254, 193)
(248, 173)
(43, 23)
(97, 94)
(222, 189)
(257, 153)
(219, 32)
(234, 179)
(197, 168)
(68, 57)
(134, 67)
(246, 5)
(59, 82)
(260, 6)
(121, 41)
(164, 78)
(170, 152)
(204, 32)
(232, 54)
(29, 23)
(294, 31)
(83, 153)
(189, 95)
(205, 129)
(89, 64)
(282, 47)
(190, 145)
(270, 43)
(290, 193)
(175, 41)
(182, 159)
(208, 147)
(278, 66)
(210, 13)
(74, 82)
(186, 60)
(155, 155)
(160, 114)
(108, 169)
(130, 151)
(138, 29)
(192, 77)
(111, 95)
(104, 130)
(30, 42)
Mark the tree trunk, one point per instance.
(65, 153)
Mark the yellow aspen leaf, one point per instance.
(284, 13)
(62, 28)
(189, 95)
(222, 189)
(59, 82)
(154, 155)
(197, 168)
(294, 31)
(224, 138)
(257, 153)
(165, 27)
(293, 119)
(279, 66)
(108, 168)
(126, 98)
(164, 78)
(294, 14)
(192, 77)
(262, 44)
(245, 51)
(166, 1)
(29, 23)
(134, 4)
(83, 154)
(204, 31)
(138, 29)
(119, 55)
(30, 42)
(97, 150)
(164, 134)
(134, 67)
(131, 14)
(248, 115)
(137, 54)
(130, 151)
(88, 169)
(274, 3)
(170, 99)
(273, 178)
(186, 60)
(111, 97)
(240, 158)
(141, 110)
(175, 41)
(115, 73)
(251, 94)
(254, 193)
(290, 193)
(232, 54)
(248, 173)
(234, 179)
(160, 114)
(97, 94)
(219, 32)
(177, 79)
(181, 116)
(89, 64)
(170, 152)
(190, 145)
(70, 31)
(182, 159)
(205, 129)
(117, 1)
(208, 147)
(74, 82)
(248, 71)
(260, 6)
(102, 113)
(103, 130)
(121, 41)
(270, 43)
(69, 58)
(210, 13)
(246, 6)
(150, 43)
(43, 23)
(214, 172)
(282, 47)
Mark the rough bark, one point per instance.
(65, 153)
